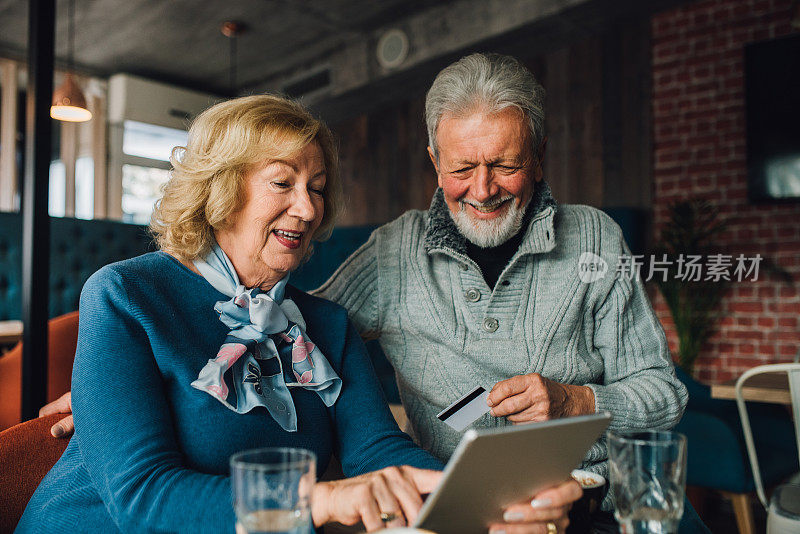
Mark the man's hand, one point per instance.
(63, 404)
(528, 398)
(550, 506)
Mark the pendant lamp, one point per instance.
(232, 30)
(69, 104)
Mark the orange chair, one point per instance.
(63, 331)
(27, 452)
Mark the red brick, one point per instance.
(736, 193)
(747, 349)
(745, 335)
(767, 349)
(766, 322)
(788, 335)
(746, 363)
(747, 307)
(787, 292)
(746, 234)
(745, 291)
(766, 232)
(724, 376)
(726, 348)
(765, 291)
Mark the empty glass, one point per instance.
(272, 490)
(648, 478)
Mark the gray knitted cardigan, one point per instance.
(445, 331)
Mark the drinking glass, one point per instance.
(272, 490)
(648, 478)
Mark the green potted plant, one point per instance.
(690, 231)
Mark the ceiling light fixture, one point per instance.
(69, 104)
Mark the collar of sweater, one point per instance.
(442, 235)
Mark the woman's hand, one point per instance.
(65, 427)
(528, 398)
(394, 492)
(545, 514)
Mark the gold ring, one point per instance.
(552, 528)
(387, 517)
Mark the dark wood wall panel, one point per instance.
(597, 126)
(384, 162)
(574, 158)
(627, 117)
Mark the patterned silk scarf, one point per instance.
(247, 371)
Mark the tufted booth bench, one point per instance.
(77, 249)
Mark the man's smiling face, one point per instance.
(487, 170)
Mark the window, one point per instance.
(151, 141)
(141, 187)
(57, 189)
(84, 187)
(146, 149)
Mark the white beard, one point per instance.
(490, 233)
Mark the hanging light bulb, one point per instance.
(69, 104)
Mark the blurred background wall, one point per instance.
(699, 148)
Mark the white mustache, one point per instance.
(488, 205)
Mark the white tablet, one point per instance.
(493, 468)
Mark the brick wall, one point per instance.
(699, 150)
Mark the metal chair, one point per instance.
(717, 455)
(782, 516)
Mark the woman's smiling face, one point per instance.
(284, 205)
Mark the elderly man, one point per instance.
(484, 289)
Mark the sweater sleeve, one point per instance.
(368, 436)
(639, 387)
(355, 286)
(124, 426)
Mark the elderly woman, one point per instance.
(201, 350)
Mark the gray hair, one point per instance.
(489, 82)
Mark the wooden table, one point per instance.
(769, 387)
(10, 332)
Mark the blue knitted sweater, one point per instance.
(150, 453)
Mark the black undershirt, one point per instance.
(493, 260)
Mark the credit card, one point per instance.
(465, 410)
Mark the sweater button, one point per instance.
(473, 295)
(490, 324)
(463, 267)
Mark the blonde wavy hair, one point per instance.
(225, 142)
